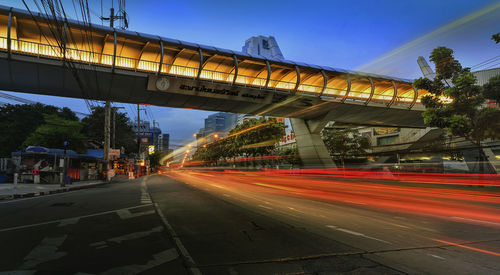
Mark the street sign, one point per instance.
(151, 149)
(114, 153)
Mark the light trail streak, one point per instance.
(379, 64)
(468, 247)
(445, 202)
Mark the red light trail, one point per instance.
(396, 192)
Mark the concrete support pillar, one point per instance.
(491, 159)
(312, 149)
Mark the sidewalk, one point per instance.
(26, 190)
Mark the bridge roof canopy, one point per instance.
(34, 32)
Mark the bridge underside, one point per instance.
(52, 77)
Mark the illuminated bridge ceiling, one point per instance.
(68, 58)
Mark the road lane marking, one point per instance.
(69, 222)
(44, 252)
(266, 207)
(131, 236)
(355, 233)
(473, 220)
(145, 197)
(180, 247)
(218, 186)
(355, 202)
(158, 259)
(291, 208)
(276, 187)
(436, 256)
(126, 214)
(64, 220)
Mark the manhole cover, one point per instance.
(62, 204)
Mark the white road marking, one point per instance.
(97, 244)
(145, 198)
(436, 256)
(263, 206)
(218, 186)
(158, 259)
(44, 252)
(131, 236)
(177, 241)
(69, 221)
(63, 220)
(126, 214)
(355, 233)
(291, 208)
(473, 220)
(355, 202)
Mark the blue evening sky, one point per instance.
(378, 36)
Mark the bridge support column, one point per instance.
(312, 149)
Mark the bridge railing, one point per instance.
(95, 58)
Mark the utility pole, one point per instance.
(139, 129)
(107, 111)
(154, 133)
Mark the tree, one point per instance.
(93, 128)
(455, 102)
(496, 37)
(19, 121)
(55, 131)
(491, 90)
(345, 143)
(154, 159)
(252, 137)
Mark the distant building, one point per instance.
(265, 46)
(219, 123)
(149, 135)
(163, 142)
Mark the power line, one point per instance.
(486, 62)
(492, 66)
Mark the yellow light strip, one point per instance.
(152, 66)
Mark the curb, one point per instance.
(50, 192)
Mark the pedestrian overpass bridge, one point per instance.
(53, 56)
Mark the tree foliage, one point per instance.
(456, 102)
(252, 137)
(345, 143)
(93, 128)
(496, 37)
(20, 121)
(154, 159)
(55, 131)
(491, 90)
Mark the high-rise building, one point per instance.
(149, 135)
(163, 142)
(219, 123)
(265, 46)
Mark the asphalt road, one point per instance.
(192, 222)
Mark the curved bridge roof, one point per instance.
(37, 34)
